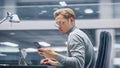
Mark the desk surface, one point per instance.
(41, 66)
(36, 66)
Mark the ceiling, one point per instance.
(54, 2)
(43, 10)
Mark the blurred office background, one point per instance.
(37, 25)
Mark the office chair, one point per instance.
(103, 58)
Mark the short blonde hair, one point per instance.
(66, 12)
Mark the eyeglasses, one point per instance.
(59, 23)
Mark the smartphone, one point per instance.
(37, 45)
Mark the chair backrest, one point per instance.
(103, 58)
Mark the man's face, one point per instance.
(63, 24)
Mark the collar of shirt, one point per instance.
(73, 28)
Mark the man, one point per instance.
(79, 49)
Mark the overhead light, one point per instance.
(43, 11)
(77, 9)
(12, 33)
(63, 3)
(80, 16)
(55, 8)
(3, 55)
(8, 49)
(31, 50)
(59, 49)
(88, 11)
(44, 44)
(9, 44)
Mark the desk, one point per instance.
(40, 66)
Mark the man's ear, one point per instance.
(72, 20)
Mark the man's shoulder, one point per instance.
(77, 31)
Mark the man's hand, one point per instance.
(47, 53)
(49, 62)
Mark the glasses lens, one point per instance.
(59, 23)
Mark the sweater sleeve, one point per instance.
(76, 46)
